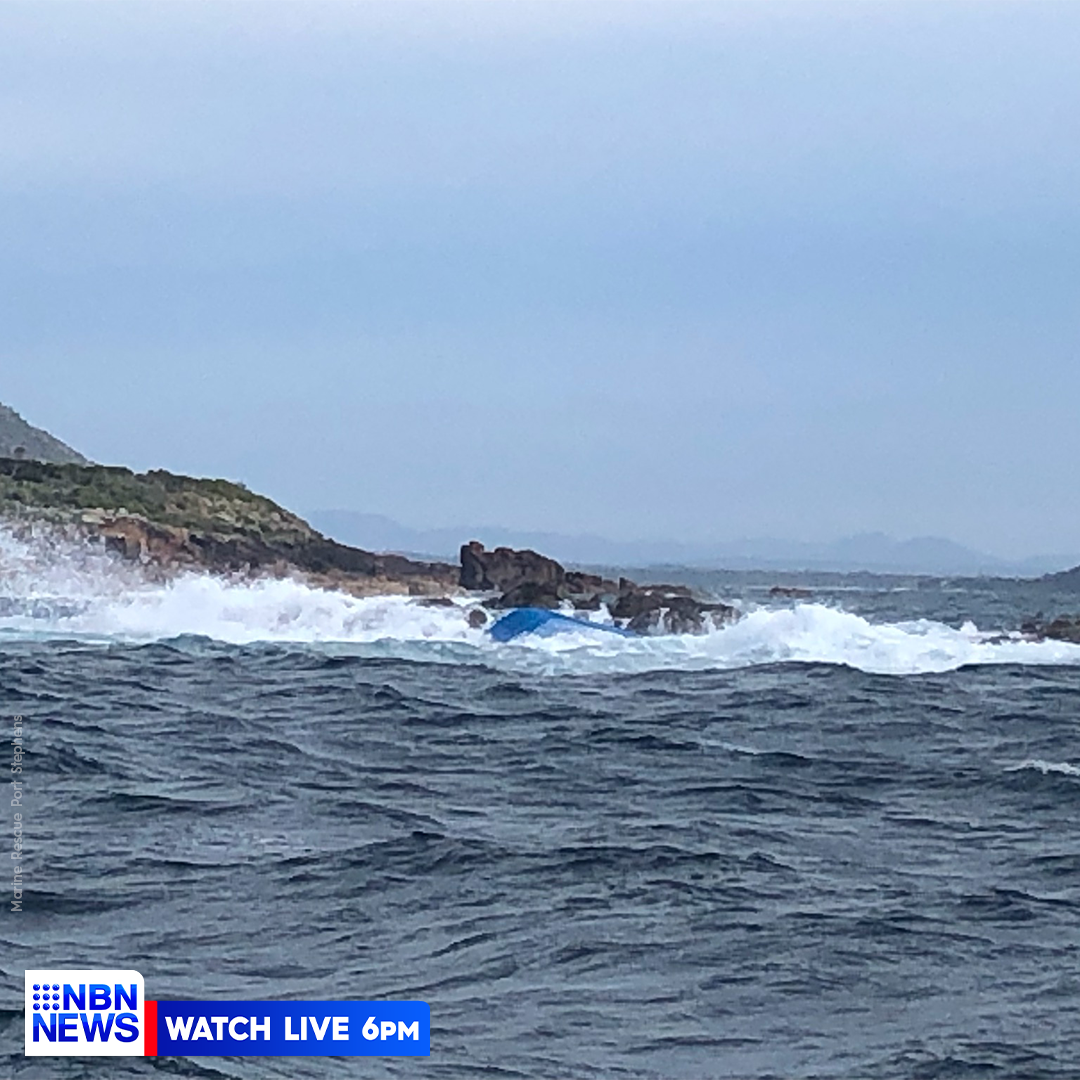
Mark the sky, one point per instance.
(698, 271)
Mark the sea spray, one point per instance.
(53, 590)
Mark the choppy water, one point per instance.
(839, 839)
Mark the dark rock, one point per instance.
(627, 586)
(397, 567)
(587, 603)
(526, 579)
(530, 594)
(473, 574)
(581, 584)
(504, 568)
(1062, 628)
(666, 608)
(793, 592)
(477, 618)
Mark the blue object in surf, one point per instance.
(531, 620)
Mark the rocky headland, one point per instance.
(168, 524)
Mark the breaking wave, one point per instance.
(1061, 767)
(56, 591)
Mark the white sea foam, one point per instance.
(1062, 767)
(52, 590)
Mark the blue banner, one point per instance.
(235, 1028)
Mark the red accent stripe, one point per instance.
(150, 1029)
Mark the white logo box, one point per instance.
(96, 1012)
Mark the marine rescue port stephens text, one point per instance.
(17, 791)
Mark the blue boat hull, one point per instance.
(528, 620)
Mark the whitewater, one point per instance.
(64, 590)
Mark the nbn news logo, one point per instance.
(84, 1012)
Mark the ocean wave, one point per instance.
(1061, 767)
(90, 595)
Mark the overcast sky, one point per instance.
(686, 270)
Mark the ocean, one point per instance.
(836, 839)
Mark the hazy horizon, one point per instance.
(873, 552)
(701, 271)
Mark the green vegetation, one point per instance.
(179, 521)
(66, 493)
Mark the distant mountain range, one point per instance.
(873, 552)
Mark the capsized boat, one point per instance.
(531, 620)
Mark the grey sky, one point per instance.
(698, 271)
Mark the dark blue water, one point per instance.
(778, 870)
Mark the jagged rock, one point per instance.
(1063, 628)
(667, 608)
(627, 586)
(527, 579)
(504, 568)
(539, 594)
(587, 602)
(581, 584)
